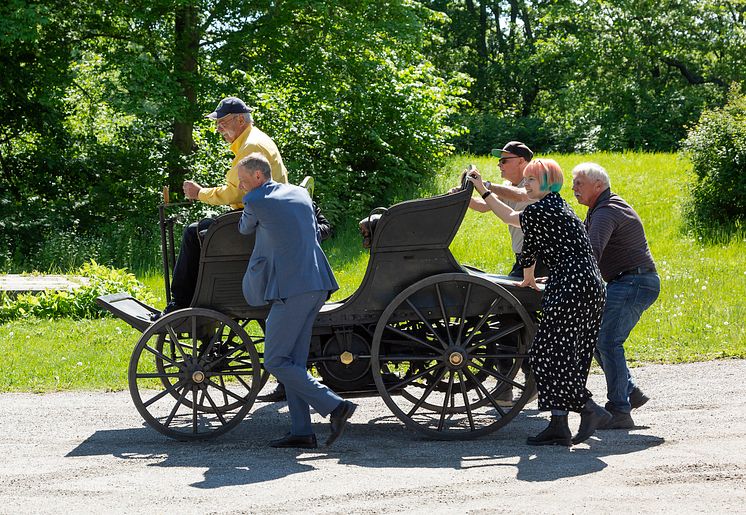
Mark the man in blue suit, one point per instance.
(289, 270)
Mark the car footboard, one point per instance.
(129, 309)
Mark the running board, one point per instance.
(127, 308)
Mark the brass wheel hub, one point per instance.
(456, 358)
(198, 376)
(346, 357)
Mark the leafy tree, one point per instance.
(342, 86)
(637, 73)
(352, 101)
(598, 74)
(717, 149)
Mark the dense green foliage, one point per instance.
(108, 103)
(104, 102)
(717, 148)
(597, 74)
(346, 93)
(78, 303)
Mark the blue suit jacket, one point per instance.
(287, 259)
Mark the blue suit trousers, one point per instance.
(286, 346)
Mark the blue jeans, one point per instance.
(626, 299)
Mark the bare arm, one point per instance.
(482, 206)
(509, 193)
(529, 280)
(504, 212)
(477, 204)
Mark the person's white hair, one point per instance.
(593, 171)
(248, 118)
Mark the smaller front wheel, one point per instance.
(194, 374)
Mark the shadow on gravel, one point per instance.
(242, 456)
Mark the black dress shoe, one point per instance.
(592, 416)
(557, 433)
(171, 306)
(276, 395)
(338, 419)
(637, 398)
(295, 442)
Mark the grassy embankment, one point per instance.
(697, 317)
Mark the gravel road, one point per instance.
(91, 453)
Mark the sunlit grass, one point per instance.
(45, 355)
(697, 317)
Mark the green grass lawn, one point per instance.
(697, 317)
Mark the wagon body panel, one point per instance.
(223, 260)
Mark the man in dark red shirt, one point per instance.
(632, 283)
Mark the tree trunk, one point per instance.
(186, 48)
(482, 86)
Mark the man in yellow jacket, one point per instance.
(234, 122)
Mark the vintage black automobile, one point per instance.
(437, 341)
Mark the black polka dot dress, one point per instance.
(572, 305)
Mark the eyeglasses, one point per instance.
(504, 159)
(224, 120)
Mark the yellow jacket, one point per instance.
(251, 140)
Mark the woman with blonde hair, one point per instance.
(572, 304)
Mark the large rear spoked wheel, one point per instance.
(453, 343)
(194, 374)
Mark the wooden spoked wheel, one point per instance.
(194, 374)
(443, 351)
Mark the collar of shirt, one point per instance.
(602, 199)
(239, 141)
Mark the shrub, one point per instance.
(78, 303)
(717, 148)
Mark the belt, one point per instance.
(639, 270)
